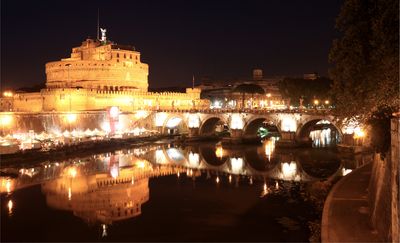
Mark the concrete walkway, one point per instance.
(346, 214)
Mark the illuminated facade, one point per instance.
(97, 75)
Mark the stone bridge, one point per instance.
(294, 125)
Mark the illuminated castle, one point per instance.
(97, 75)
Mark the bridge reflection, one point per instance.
(110, 187)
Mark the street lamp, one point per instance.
(326, 102)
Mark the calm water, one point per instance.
(166, 192)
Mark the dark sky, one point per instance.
(218, 39)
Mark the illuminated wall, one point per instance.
(73, 99)
(97, 66)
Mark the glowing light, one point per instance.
(216, 105)
(321, 138)
(251, 181)
(160, 119)
(219, 152)
(269, 148)
(289, 171)
(10, 206)
(316, 102)
(358, 133)
(8, 186)
(6, 120)
(105, 126)
(178, 174)
(69, 193)
(141, 114)
(350, 125)
(7, 94)
(132, 180)
(236, 122)
(193, 121)
(346, 171)
(265, 190)
(326, 102)
(276, 185)
(71, 117)
(173, 122)
(140, 164)
(268, 95)
(160, 157)
(194, 159)
(114, 112)
(114, 171)
(217, 179)
(289, 124)
(104, 227)
(230, 178)
(72, 172)
(237, 165)
(175, 154)
(323, 122)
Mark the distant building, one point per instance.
(222, 94)
(310, 76)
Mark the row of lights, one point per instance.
(326, 102)
(7, 94)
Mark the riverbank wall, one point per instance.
(56, 122)
(383, 196)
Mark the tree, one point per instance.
(308, 90)
(365, 58)
(248, 89)
(366, 65)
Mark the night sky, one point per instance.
(216, 39)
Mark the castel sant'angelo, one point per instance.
(100, 74)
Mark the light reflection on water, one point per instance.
(106, 188)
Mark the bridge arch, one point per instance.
(209, 125)
(252, 126)
(304, 129)
(175, 124)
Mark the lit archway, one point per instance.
(261, 127)
(175, 125)
(328, 132)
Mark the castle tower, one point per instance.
(99, 64)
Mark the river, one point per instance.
(170, 192)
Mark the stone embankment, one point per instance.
(364, 205)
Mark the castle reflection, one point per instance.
(102, 197)
(105, 188)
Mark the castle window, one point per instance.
(117, 60)
(118, 55)
(130, 56)
(124, 55)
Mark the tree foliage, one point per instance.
(308, 90)
(366, 58)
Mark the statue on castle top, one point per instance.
(103, 35)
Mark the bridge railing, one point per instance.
(252, 111)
